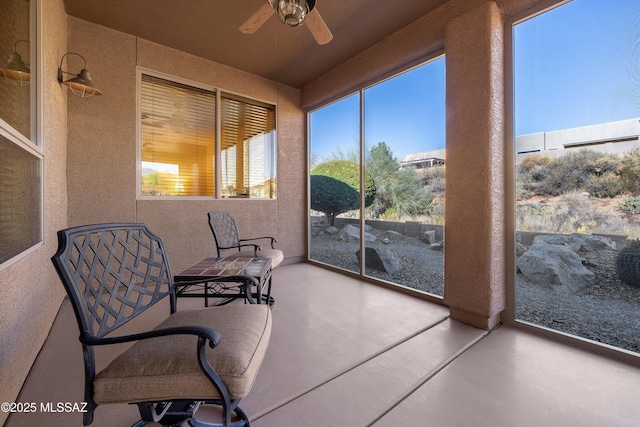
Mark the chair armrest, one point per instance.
(201, 331)
(256, 248)
(273, 240)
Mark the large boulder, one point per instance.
(351, 232)
(556, 265)
(381, 259)
(577, 242)
(429, 237)
(331, 230)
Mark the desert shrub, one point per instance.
(629, 172)
(433, 179)
(523, 191)
(432, 173)
(399, 191)
(335, 188)
(606, 185)
(389, 215)
(600, 166)
(565, 174)
(529, 173)
(628, 264)
(573, 214)
(531, 163)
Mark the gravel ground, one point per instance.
(606, 311)
(427, 267)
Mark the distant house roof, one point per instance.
(423, 159)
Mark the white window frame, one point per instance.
(33, 145)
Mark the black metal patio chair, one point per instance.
(114, 272)
(227, 237)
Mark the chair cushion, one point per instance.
(276, 255)
(165, 368)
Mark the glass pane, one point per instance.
(248, 148)
(334, 162)
(20, 202)
(178, 139)
(15, 74)
(577, 121)
(405, 154)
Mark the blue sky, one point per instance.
(406, 112)
(576, 65)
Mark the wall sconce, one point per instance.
(16, 69)
(81, 84)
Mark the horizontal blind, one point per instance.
(178, 139)
(247, 147)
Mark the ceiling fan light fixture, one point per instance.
(293, 12)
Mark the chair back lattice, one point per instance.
(112, 272)
(225, 230)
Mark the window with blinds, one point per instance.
(178, 139)
(247, 148)
(179, 155)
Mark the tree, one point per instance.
(335, 188)
(397, 189)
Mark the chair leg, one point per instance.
(241, 421)
(181, 414)
(167, 414)
(268, 299)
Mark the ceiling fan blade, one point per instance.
(318, 28)
(256, 20)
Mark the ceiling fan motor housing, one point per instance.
(293, 12)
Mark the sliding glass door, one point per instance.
(385, 146)
(577, 121)
(334, 184)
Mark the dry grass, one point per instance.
(576, 213)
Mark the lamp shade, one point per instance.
(16, 69)
(82, 85)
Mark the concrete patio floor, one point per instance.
(344, 352)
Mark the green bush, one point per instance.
(335, 188)
(399, 192)
(630, 206)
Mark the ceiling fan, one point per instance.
(292, 13)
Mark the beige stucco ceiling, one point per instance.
(209, 29)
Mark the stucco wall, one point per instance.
(475, 287)
(30, 292)
(102, 149)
